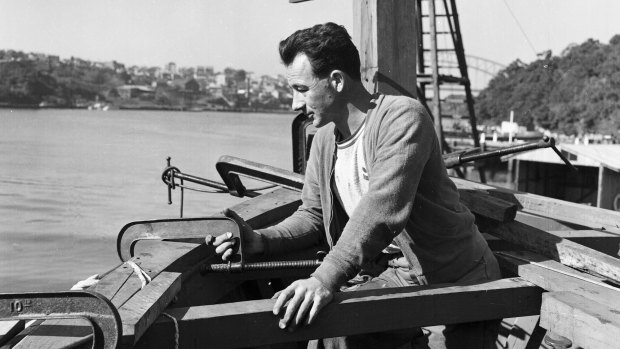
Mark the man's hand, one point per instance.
(305, 298)
(225, 244)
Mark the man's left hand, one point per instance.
(305, 298)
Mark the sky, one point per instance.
(244, 34)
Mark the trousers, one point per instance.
(473, 335)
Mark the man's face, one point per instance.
(314, 96)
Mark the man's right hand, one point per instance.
(225, 243)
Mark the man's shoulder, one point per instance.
(401, 102)
(399, 109)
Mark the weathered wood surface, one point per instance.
(587, 323)
(488, 206)
(605, 242)
(522, 331)
(564, 251)
(385, 32)
(10, 328)
(268, 208)
(554, 276)
(221, 325)
(54, 334)
(583, 215)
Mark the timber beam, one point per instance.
(586, 323)
(243, 324)
(564, 251)
(560, 210)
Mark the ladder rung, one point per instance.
(441, 50)
(444, 66)
(449, 79)
(437, 15)
(439, 32)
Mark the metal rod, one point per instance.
(260, 266)
(544, 143)
(201, 181)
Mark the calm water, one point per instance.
(71, 179)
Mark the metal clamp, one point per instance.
(91, 306)
(182, 229)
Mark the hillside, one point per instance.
(576, 92)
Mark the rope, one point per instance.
(176, 329)
(144, 277)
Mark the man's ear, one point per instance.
(337, 80)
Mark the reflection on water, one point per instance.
(71, 179)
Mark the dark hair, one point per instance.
(328, 46)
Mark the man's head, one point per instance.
(328, 46)
(320, 61)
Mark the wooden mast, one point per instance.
(385, 33)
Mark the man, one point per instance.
(375, 180)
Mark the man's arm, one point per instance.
(304, 228)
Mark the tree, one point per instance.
(576, 92)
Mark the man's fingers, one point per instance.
(319, 303)
(218, 240)
(305, 306)
(291, 309)
(227, 254)
(282, 298)
(224, 246)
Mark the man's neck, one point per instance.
(358, 104)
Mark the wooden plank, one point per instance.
(588, 324)
(269, 208)
(139, 312)
(220, 325)
(488, 206)
(54, 334)
(554, 276)
(565, 211)
(9, 329)
(546, 223)
(385, 33)
(153, 256)
(522, 332)
(602, 241)
(605, 242)
(564, 251)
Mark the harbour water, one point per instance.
(71, 179)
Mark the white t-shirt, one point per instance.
(351, 175)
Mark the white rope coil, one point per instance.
(142, 275)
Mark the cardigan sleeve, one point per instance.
(304, 228)
(403, 142)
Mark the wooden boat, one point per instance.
(170, 290)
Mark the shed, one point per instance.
(597, 182)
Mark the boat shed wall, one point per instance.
(597, 182)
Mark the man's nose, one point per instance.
(298, 101)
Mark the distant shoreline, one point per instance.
(231, 110)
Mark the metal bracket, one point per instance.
(91, 306)
(181, 229)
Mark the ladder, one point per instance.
(439, 36)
